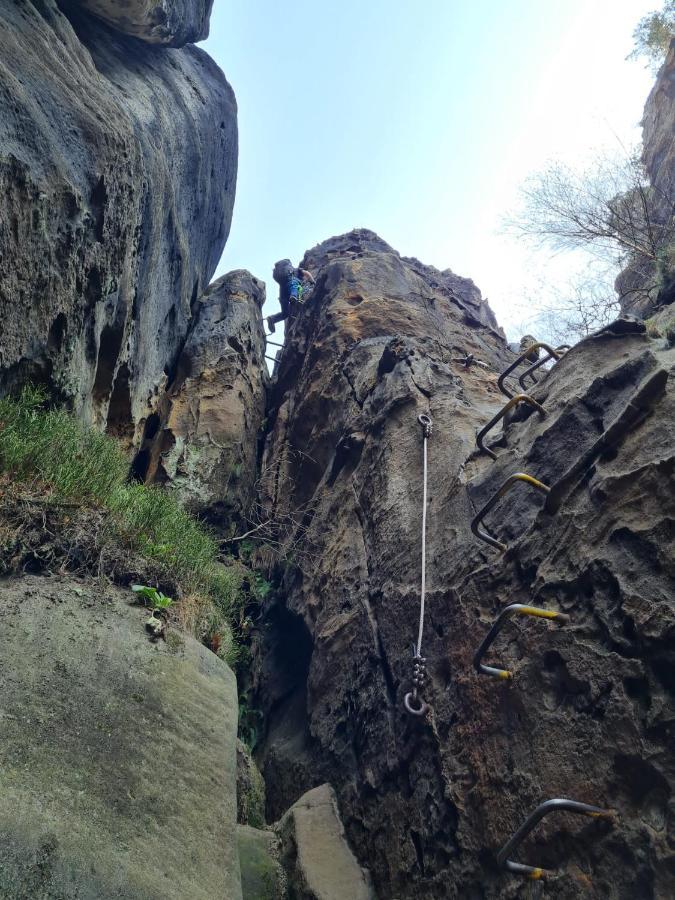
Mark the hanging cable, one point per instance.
(413, 701)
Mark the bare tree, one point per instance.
(605, 209)
(277, 531)
(585, 304)
(609, 211)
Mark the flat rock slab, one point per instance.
(117, 756)
(317, 858)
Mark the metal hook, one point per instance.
(409, 699)
(504, 489)
(522, 610)
(426, 423)
(532, 821)
(523, 356)
(514, 401)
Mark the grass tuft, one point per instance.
(77, 464)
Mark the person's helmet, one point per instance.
(281, 269)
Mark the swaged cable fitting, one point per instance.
(513, 609)
(504, 489)
(514, 401)
(544, 809)
(413, 701)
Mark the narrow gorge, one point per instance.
(254, 742)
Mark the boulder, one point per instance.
(318, 861)
(427, 802)
(172, 23)
(118, 771)
(261, 875)
(206, 447)
(117, 176)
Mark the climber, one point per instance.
(291, 283)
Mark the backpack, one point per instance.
(282, 269)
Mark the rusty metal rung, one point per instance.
(514, 401)
(504, 489)
(544, 809)
(523, 356)
(514, 608)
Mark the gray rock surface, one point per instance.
(427, 803)
(318, 861)
(207, 444)
(117, 755)
(117, 176)
(658, 156)
(173, 23)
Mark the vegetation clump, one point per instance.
(57, 459)
(653, 34)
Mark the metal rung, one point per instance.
(514, 401)
(271, 358)
(523, 356)
(562, 350)
(544, 809)
(504, 489)
(273, 343)
(521, 610)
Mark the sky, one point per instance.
(419, 120)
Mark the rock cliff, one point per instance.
(203, 442)
(646, 287)
(117, 177)
(427, 802)
(173, 23)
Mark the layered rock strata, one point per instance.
(117, 176)
(427, 802)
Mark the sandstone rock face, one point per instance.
(117, 756)
(117, 179)
(658, 156)
(214, 407)
(170, 22)
(318, 861)
(428, 802)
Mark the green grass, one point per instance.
(77, 464)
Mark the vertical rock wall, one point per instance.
(647, 287)
(428, 802)
(203, 442)
(117, 177)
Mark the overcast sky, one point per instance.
(419, 121)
